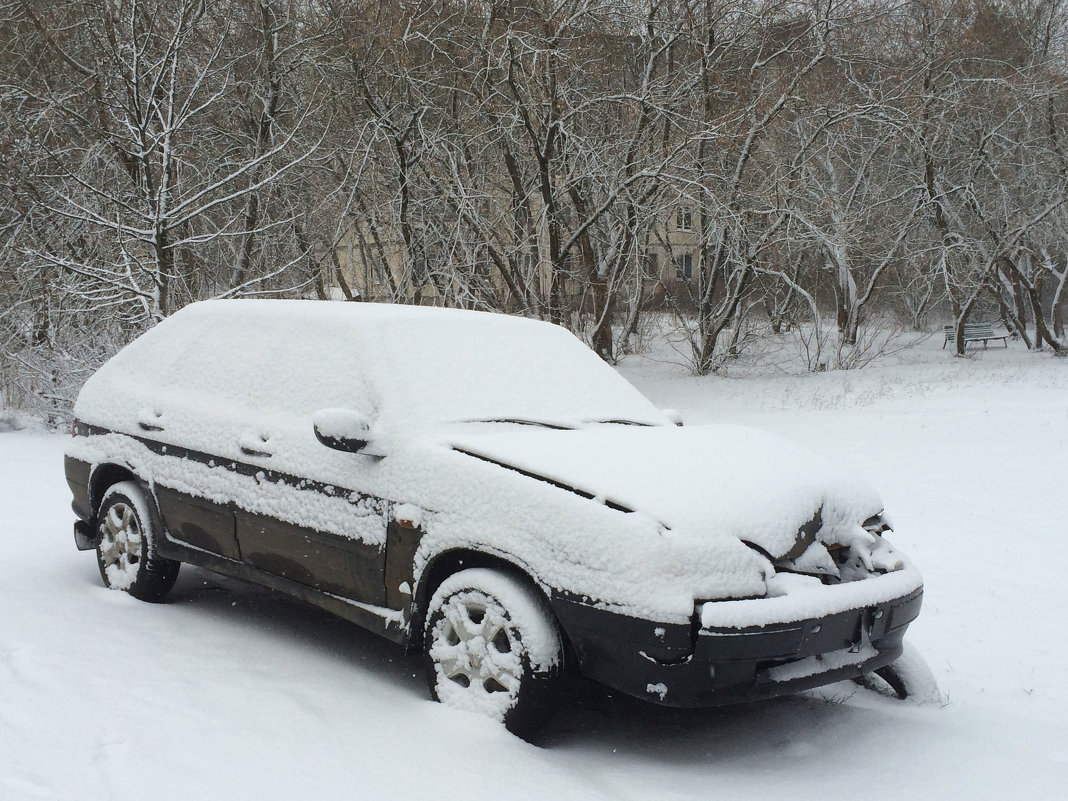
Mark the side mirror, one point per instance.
(342, 429)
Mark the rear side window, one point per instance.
(269, 365)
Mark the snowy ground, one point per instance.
(231, 692)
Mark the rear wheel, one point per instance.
(492, 647)
(126, 554)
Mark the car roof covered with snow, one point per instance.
(402, 365)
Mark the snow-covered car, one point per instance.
(485, 490)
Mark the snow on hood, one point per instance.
(706, 481)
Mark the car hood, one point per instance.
(704, 481)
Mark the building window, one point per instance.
(684, 219)
(684, 267)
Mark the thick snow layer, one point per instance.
(232, 692)
(398, 365)
(444, 366)
(809, 603)
(703, 481)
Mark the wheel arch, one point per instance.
(104, 476)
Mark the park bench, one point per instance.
(975, 332)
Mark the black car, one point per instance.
(485, 490)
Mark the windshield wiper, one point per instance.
(521, 422)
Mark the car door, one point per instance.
(252, 509)
(181, 479)
(324, 536)
(310, 515)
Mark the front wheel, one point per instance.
(493, 647)
(126, 554)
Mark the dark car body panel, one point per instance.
(323, 560)
(391, 624)
(198, 522)
(319, 559)
(345, 598)
(691, 666)
(77, 473)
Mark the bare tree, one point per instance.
(151, 170)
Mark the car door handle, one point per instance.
(255, 445)
(150, 419)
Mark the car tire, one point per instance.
(492, 646)
(126, 554)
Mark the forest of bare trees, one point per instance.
(848, 168)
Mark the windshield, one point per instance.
(443, 368)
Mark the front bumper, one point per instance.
(699, 666)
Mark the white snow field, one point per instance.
(232, 692)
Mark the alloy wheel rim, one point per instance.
(120, 544)
(476, 649)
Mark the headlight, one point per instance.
(877, 524)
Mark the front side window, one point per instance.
(684, 219)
